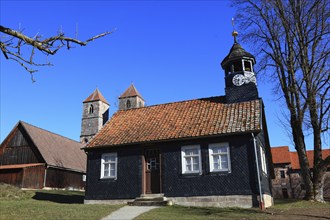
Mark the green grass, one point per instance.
(56, 204)
(283, 209)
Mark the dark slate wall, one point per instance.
(128, 182)
(240, 181)
(265, 177)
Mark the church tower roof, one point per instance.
(96, 96)
(236, 52)
(131, 92)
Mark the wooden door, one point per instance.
(152, 171)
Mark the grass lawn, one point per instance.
(283, 209)
(56, 204)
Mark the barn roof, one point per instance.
(57, 151)
(179, 120)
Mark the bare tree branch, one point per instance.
(12, 48)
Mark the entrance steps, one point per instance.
(150, 200)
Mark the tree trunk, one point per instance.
(299, 141)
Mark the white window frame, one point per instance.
(211, 154)
(263, 160)
(111, 162)
(184, 161)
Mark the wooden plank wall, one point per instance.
(57, 178)
(33, 177)
(17, 151)
(12, 177)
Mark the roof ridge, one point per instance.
(182, 101)
(23, 122)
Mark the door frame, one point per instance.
(144, 169)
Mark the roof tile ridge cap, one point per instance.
(181, 101)
(49, 131)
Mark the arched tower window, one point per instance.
(86, 140)
(128, 104)
(91, 109)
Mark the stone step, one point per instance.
(150, 200)
(147, 203)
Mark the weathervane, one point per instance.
(234, 33)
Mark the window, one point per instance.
(191, 159)
(247, 65)
(282, 172)
(109, 166)
(219, 157)
(91, 109)
(263, 160)
(128, 104)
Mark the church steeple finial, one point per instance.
(234, 33)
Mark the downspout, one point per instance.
(261, 202)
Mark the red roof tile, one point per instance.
(186, 119)
(96, 96)
(310, 155)
(130, 92)
(281, 155)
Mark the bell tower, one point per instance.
(240, 79)
(95, 115)
(131, 98)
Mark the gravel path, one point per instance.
(128, 212)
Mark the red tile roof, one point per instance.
(130, 92)
(186, 119)
(282, 155)
(96, 96)
(57, 150)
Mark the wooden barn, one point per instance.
(31, 157)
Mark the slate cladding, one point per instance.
(180, 120)
(240, 181)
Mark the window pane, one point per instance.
(106, 172)
(196, 167)
(224, 165)
(191, 152)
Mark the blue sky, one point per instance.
(170, 50)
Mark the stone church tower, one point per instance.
(131, 98)
(95, 115)
(240, 78)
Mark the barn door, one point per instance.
(152, 171)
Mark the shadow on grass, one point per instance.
(59, 198)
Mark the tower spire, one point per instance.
(234, 33)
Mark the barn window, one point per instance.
(219, 157)
(191, 159)
(91, 109)
(282, 173)
(109, 165)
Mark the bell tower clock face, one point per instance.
(238, 80)
(250, 77)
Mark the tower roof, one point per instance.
(96, 96)
(130, 92)
(236, 52)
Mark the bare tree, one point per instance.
(14, 42)
(292, 40)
